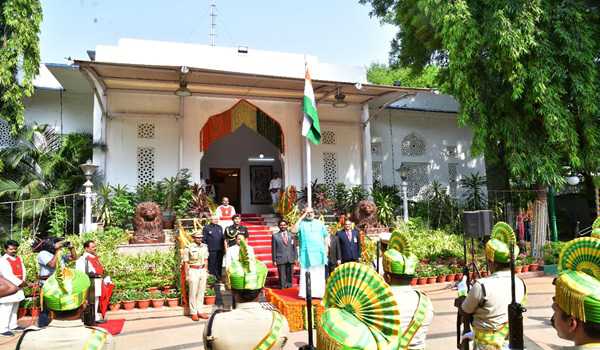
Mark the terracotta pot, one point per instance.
(518, 269)
(484, 273)
(431, 280)
(413, 282)
(152, 289)
(422, 280)
(209, 300)
(168, 219)
(534, 267)
(451, 277)
(158, 303)
(441, 278)
(22, 312)
(115, 307)
(35, 311)
(167, 289)
(143, 304)
(173, 302)
(525, 268)
(129, 304)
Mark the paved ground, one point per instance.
(168, 330)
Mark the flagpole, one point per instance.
(308, 174)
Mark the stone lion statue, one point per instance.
(365, 215)
(148, 224)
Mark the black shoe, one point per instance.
(8, 334)
(100, 321)
(18, 329)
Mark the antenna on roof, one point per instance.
(213, 23)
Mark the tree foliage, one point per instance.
(382, 74)
(526, 73)
(19, 56)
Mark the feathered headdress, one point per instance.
(66, 288)
(246, 272)
(498, 247)
(398, 258)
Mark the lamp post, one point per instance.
(88, 170)
(572, 180)
(404, 175)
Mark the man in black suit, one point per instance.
(212, 235)
(349, 243)
(283, 250)
(334, 254)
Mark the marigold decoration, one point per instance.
(578, 282)
(498, 247)
(287, 201)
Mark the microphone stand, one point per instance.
(310, 345)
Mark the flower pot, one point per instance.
(22, 312)
(422, 280)
(484, 273)
(413, 281)
(168, 219)
(525, 268)
(451, 277)
(173, 302)
(115, 307)
(534, 267)
(518, 269)
(143, 304)
(431, 280)
(167, 289)
(128, 304)
(209, 300)
(152, 289)
(35, 312)
(158, 303)
(441, 278)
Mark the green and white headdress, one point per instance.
(596, 228)
(498, 247)
(66, 289)
(246, 272)
(578, 282)
(398, 258)
(361, 311)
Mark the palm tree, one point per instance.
(474, 196)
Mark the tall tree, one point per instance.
(382, 74)
(526, 73)
(19, 56)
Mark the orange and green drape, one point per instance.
(243, 113)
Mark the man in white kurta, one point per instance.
(313, 254)
(89, 263)
(12, 269)
(225, 213)
(274, 188)
(233, 252)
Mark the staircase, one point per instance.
(260, 230)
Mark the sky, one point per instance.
(336, 31)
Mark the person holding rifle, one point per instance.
(577, 294)
(489, 298)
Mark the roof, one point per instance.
(209, 82)
(427, 102)
(46, 80)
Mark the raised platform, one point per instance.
(136, 249)
(293, 308)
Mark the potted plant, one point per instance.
(157, 299)
(526, 261)
(143, 300)
(115, 301)
(35, 307)
(551, 254)
(211, 280)
(413, 281)
(441, 274)
(152, 290)
(209, 296)
(421, 277)
(170, 188)
(128, 301)
(24, 307)
(173, 298)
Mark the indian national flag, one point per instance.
(310, 125)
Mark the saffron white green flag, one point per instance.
(310, 125)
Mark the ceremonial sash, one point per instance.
(416, 322)
(95, 262)
(96, 340)
(275, 332)
(16, 266)
(491, 338)
(225, 213)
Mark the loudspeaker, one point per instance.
(478, 223)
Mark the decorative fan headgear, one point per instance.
(596, 228)
(361, 310)
(246, 272)
(578, 283)
(66, 289)
(498, 247)
(398, 258)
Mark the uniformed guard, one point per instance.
(416, 310)
(361, 311)
(195, 260)
(231, 232)
(489, 297)
(577, 298)
(249, 325)
(64, 294)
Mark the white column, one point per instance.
(180, 123)
(367, 162)
(99, 127)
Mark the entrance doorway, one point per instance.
(227, 184)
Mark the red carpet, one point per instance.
(114, 327)
(288, 294)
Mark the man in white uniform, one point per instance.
(89, 263)
(313, 254)
(13, 269)
(275, 188)
(225, 213)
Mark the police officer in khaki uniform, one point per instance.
(250, 325)
(65, 294)
(195, 260)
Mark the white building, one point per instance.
(235, 115)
